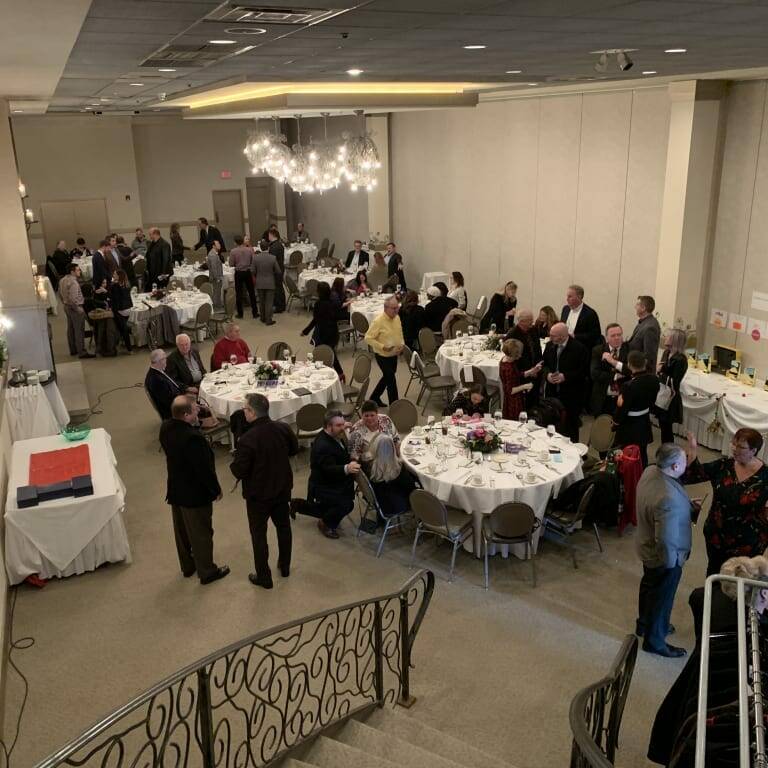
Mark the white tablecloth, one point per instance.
(86, 265)
(322, 276)
(188, 272)
(430, 278)
(450, 482)
(70, 535)
(453, 355)
(372, 306)
(308, 251)
(35, 411)
(228, 396)
(707, 396)
(185, 303)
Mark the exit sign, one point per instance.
(225, 174)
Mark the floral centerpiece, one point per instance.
(267, 371)
(482, 440)
(492, 342)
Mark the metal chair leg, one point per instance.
(453, 558)
(383, 536)
(415, 542)
(597, 536)
(485, 561)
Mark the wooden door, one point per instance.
(259, 196)
(228, 213)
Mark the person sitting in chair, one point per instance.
(470, 401)
(228, 347)
(184, 365)
(160, 387)
(371, 425)
(391, 481)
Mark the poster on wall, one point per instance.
(760, 301)
(756, 329)
(737, 323)
(719, 318)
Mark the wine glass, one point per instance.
(459, 412)
(492, 329)
(233, 359)
(497, 416)
(471, 330)
(551, 430)
(378, 290)
(523, 418)
(310, 358)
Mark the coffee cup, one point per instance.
(477, 479)
(544, 456)
(530, 477)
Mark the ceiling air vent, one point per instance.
(262, 14)
(181, 56)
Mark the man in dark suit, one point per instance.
(184, 365)
(632, 420)
(192, 489)
(647, 333)
(608, 370)
(331, 487)
(582, 321)
(208, 233)
(357, 258)
(161, 388)
(263, 462)
(277, 249)
(103, 268)
(159, 260)
(565, 371)
(530, 361)
(438, 306)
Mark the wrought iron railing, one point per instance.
(596, 712)
(252, 703)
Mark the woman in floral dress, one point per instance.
(737, 524)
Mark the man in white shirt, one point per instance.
(608, 370)
(582, 321)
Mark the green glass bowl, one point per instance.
(73, 434)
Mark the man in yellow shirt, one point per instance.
(385, 337)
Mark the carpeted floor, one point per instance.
(495, 668)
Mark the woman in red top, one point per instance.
(513, 387)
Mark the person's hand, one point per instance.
(552, 378)
(659, 366)
(303, 333)
(511, 312)
(387, 349)
(691, 449)
(398, 349)
(353, 468)
(608, 358)
(192, 390)
(527, 387)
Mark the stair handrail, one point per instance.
(277, 672)
(596, 712)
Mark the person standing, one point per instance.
(126, 261)
(177, 245)
(139, 244)
(208, 233)
(385, 337)
(216, 274)
(671, 371)
(663, 544)
(262, 461)
(277, 249)
(324, 325)
(192, 488)
(515, 382)
(267, 275)
(103, 268)
(608, 370)
(530, 360)
(159, 261)
(396, 273)
(647, 333)
(582, 321)
(122, 303)
(72, 299)
(241, 258)
(61, 258)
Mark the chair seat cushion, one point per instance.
(439, 382)
(459, 523)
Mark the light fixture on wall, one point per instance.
(623, 61)
(602, 63)
(22, 189)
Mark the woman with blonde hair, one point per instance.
(501, 309)
(391, 481)
(511, 377)
(546, 319)
(671, 371)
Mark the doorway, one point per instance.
(228, 212)
(259, 193)
(70, 219)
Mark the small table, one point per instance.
(501, 476)
(456, 354)
(308, 252)
(322, 276)
(66, 536)
(430, 278)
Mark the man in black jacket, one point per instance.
(357, 258)
(208, 233)
(184, 365)
(438, 306)
(277, 249)
(608, 370)
(161, 388)
(192, 489)
(262, 461)
(159, 261)
(582, 321)
(530, 361)
(565, 371)
(331, 487)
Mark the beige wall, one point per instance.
(543, 191)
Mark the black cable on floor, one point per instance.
(22, 644)
(96, 409)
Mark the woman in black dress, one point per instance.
(671, 370)
(121, 302)
(546, 319)
(501, 310)
(324, 324)
(395, 267)
(411, 318)
(177, 245)
(339, 298)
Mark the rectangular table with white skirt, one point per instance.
(67, 536)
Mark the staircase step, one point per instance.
(389, 746)
(416, 733)
(329, 753)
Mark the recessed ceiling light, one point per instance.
(675, 50)
(18, 110)
(514, 71)
(105, 99)
(95, 104)
(649, 71)
(166, 69)
(354, 72)
(246, 31)
(474, 47)
(222, 42)
(137, 84)
(532, 83)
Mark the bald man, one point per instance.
(565, 369)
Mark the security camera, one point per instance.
(344, 35)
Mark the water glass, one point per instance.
(310, 358)
(250, 359)
(551, 430)
(471, 330)
(523, 417)
(492, 329)
(233, 359)
(459, 412)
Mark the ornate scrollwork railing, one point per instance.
(253, 702)
(596, 712)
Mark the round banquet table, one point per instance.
(188, 272)
(502, 476)
(225, 390)
(372, 306)
(454, 354)
(322, 276)
(184, 303)
(308, 251)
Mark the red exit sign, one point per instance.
(225, 174)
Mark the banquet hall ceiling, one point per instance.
(549, 41)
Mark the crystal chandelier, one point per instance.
(278, 155)
(325, 158)
(257, 147)
(301, 169)
(360, 158)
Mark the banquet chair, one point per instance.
(460, 325)
(510, 523)
(478, 377)
(370, 503)
(200, 323)
(324, 243)
(360, 323)
(564, 523)
(361, 370)
(293, 291)
(309, 294)
(175, 283)
(431, 384)
(201, 280)
(309, 421)
(140, 269)
(404, 415)
(480, 310)
(277, 348)
(427, 344)
(430, 369)
(221, 317)
(324, 354)
(601, 438)
(322, 254)
(347, 332)
(206, 287)
(352, 410)
(435, 518)
(292, 267)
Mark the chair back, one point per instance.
(322, 253)
(404, 415)
(310, 288)
(364, 484)
(201, 280)
(359, 323)
(139, 267)
(459, 325)
(203, 315)
(296, 258)
(601, 436)
(478, 377)
(190, 256)
(583, 507)
(310, 417)
(324, 243)
(332, 249)
(206, 288)
(276, 350)
(362, 368)
(324, 354)
(293, 289)
(427, 342)
(407, 354)
(361, 395)
(174, 283)
(229, 303)
(482, 306)
(429, 511)
(513, 520)
(418, 365)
